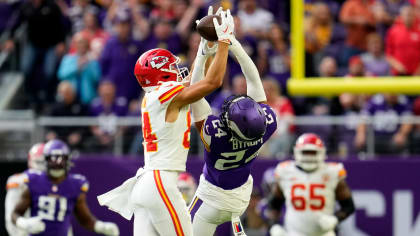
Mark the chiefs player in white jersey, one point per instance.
(16, 185)
(152, 195)
(310, 187)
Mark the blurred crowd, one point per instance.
(78, 58)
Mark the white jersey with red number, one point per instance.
(165, 144)
(308, 195)
(16, 185)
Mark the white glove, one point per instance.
(106, 228)
(327, 222)
(277, 230)
(225, 30)
(32, 225)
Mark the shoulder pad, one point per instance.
(337, 169)
(281, 168)
(81, 180)
(16, 180)
(168, 90)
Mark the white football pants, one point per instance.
(206, 218)
(159, 206)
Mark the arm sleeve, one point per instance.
(346, 209)
(201, 108)
(253, 81)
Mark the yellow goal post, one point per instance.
(298, 84)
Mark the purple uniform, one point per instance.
(386, 115)
(54, 203)
(228, 160)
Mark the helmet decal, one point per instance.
(158, 61)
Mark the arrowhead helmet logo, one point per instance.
(158, 61)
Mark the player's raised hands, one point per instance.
(225, 30)
(210, 11)
(106, 228)
(32, 225)
(206, 48)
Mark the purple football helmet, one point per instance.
(57, 157)
(244, 118)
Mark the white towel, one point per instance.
(118, 199)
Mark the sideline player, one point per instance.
(232, 141)
(54, 195)
(16, 185)
(310, 187)
(152, 195)
(187, 186)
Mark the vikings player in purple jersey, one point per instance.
(232, 141)
(54, 195)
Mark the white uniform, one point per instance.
(16, 185)
(308, 196)
(153, 196)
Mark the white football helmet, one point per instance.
(36, 158)
(309, 152)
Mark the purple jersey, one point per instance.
(228, 160)
(386, 115)
(54, 203)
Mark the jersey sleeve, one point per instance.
(167, 91)
(205, 135)
(280, 170)
(337, 170)
(342, 173)
(212, 130)
(81, 182)
(16, 181)
(271, 121)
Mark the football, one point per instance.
(206, 27)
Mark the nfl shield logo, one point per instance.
(237, 227)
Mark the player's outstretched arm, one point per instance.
(88, 221)
(201, 109)
(216, 71)
(253, 81)
(32, 225)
